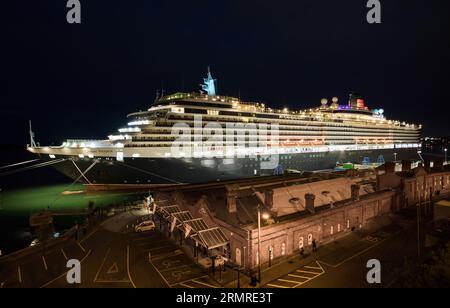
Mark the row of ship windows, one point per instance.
(168, 127)
(296, 132)
(282, 139)
(308, 121)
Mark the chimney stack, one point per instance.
(232, 194)
(268, 198)
(309, 201)
(355, 191)
(406, 165)
(389, 167)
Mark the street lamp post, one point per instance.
(264, 216)
(259, 244)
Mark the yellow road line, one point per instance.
(313, 267)
(290, 281)
(298, 276)
(186, 286)
(205, 284)
(81, 247)
(128, 266)
(168, 284)
(189, 280)
(45, 263)
(101, 265)
(277, 286)
(64, 254)
(308, 272)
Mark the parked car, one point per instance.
(145, 226)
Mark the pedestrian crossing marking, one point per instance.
(202, 283)
(277, 286)
(186, 286)
(302, 279)
(290, 281)
(298, 276)
(313, 267)
(308, 272)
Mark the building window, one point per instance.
(339, 228)
(300, 242)
(331, 230)
(283, 249)
(271, 252)
(310, 239)
(257, 258)
(348, 223)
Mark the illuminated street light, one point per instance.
(265, 216)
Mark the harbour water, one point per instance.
(37, 190)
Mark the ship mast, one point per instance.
(32, 143)
(209, 84)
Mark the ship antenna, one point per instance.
(32, 143)
(209, 84)
(162, 88)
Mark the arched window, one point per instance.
(283, 248)
(238, 256)
(310, 239)
(301, 243)
(331, 230)
(339, 228)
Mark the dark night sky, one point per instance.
(81, 80)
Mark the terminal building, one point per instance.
(221, 219)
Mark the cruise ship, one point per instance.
(185, 138)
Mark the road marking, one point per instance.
(65, 273)
(113, 269)
(45, 263)
(113, 281)
(290, 281)
(101, 265)
(174, 268)
(355, 255)
(307, 272)
(168, 263)
(128, 266)
(189, 280)
(20, 274)
(81, 247)
(64, 254)
(305, 278)
(150, 261)
(186, 286)
(167, 255)
(313, 267)
(298, 276)
(203, 283)
(277, 286)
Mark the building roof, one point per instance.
(197, 224)
(182, 216)
(211, 238)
